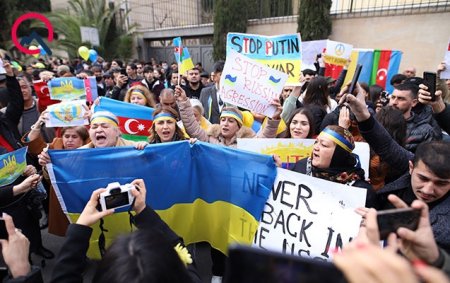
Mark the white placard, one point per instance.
(337, 53)
(2, 70)
(309, 217)
(67, 113)
(89, 34)
(446, 73)
(249, 84)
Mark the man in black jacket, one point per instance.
(427, 173)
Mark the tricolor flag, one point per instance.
(135, 120)
(182, 56)
(199, 198)
(42, 92)
(378, 66)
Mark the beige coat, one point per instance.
(213, 135)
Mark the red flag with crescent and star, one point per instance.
(135, 120)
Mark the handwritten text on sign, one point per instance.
(249, 84)
(307, 216)
(280, 52)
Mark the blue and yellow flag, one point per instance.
(12, 165)
(182, 56)
(203, 192)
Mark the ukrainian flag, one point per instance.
(203, 192)
(12, 165)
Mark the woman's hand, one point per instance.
(90, 214)
(277, 160)
(139, 192)
(277, 114)
(344, 118)
(29, 183)
(29, 170)
(140, 145)
(180, 94)
(44, 158)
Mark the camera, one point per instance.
(116, 196)
(384, 98)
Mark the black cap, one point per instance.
(204, 75)
(414, 80)
(107, 75)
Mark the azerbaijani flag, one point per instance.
(385, 65)
(200, 198)
(135, 120)
(182, 56)
(378, 66)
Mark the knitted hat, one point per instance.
(232, 113)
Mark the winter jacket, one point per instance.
(419, 129)
(213, 135)
(71, 260)
(398, 157)
(443, 119)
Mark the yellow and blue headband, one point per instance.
(139, 92)
(164, 117)
(99, 119)
(338, 139)
(232, 114)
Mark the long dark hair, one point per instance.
(394, 123)
(305, 111)
(317, 92)
(142, 256)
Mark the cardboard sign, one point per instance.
(72, 88)
(293, 150)
(280, 52)
(446, 73)
(307, 216)
(337, 53)
(68, 113)
(249, 84)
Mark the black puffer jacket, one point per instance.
(419, 129)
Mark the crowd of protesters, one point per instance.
(406, 130)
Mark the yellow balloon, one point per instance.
(84, 52)
(32, 47)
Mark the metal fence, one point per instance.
(164, 14)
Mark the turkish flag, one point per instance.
(133, 126)
(43, 94)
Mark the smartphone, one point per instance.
(430, 82)
(249, 264)
(391, 219)
(355, 79)
(3, 231)
(123, 71)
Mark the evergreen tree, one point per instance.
(314, 20)
(229, 16)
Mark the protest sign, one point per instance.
(249, 84)
(337, 53)
(72, 88)
(280, 52)
(2, 70)
(12, 165)
(67, 113)
(307, 216)
(446, 73)
(293, 150)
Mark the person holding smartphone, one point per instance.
(426, 174)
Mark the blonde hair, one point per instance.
(150, 101)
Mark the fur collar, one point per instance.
(244, 132)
